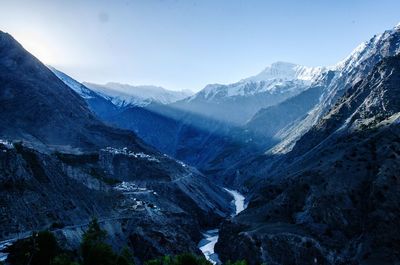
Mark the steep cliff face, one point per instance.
(334, 198)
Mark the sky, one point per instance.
(184, 44)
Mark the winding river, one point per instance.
(207, 244)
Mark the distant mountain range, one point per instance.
(197, 133)
(126, 95)
(237, 103)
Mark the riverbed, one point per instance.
(207, 244)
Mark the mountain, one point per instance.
(286, 71)
(316, 150)
(79, 88)
(60, 166)
(342, 76)
(123, 95)
(180, 132)
(197, 140)
(39, 108)
(331, 85)
(99, 105)
(328, 199)
(211, 145)
(276, 83)
(269, 121)
(286, 120)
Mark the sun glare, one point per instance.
(37, 47)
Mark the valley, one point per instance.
(295, 165)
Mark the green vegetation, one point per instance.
(95, 251)
(183, 259)
(239, 262)
(39, 249)
(42, 249)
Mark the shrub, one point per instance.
(95, 251)
(62, 259)
(99, 254)
(182, 259)
(39, 249)
(125, 258)
(239, 262)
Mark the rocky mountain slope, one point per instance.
(269, 121)
(334, 198)
(344, 75)
(38, 107)
(201, 142)
(60, 166)
(98, 104)
(332, 84)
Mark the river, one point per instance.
(207, 244)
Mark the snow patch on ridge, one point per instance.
(286, 71)
(83, 91)
(279, 77)
(123, 95)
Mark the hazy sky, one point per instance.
(188, 44)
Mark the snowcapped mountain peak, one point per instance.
(209, 89)
(276, 83)
(347, 72)
(123, 95)
(286, 71)
(277, 78)
(378, 46)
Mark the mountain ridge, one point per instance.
(123, 95)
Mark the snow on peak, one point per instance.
(210, 88)
(279, 77)
(83, 91)
(124, 95)
(376, 46)
(286, 71)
